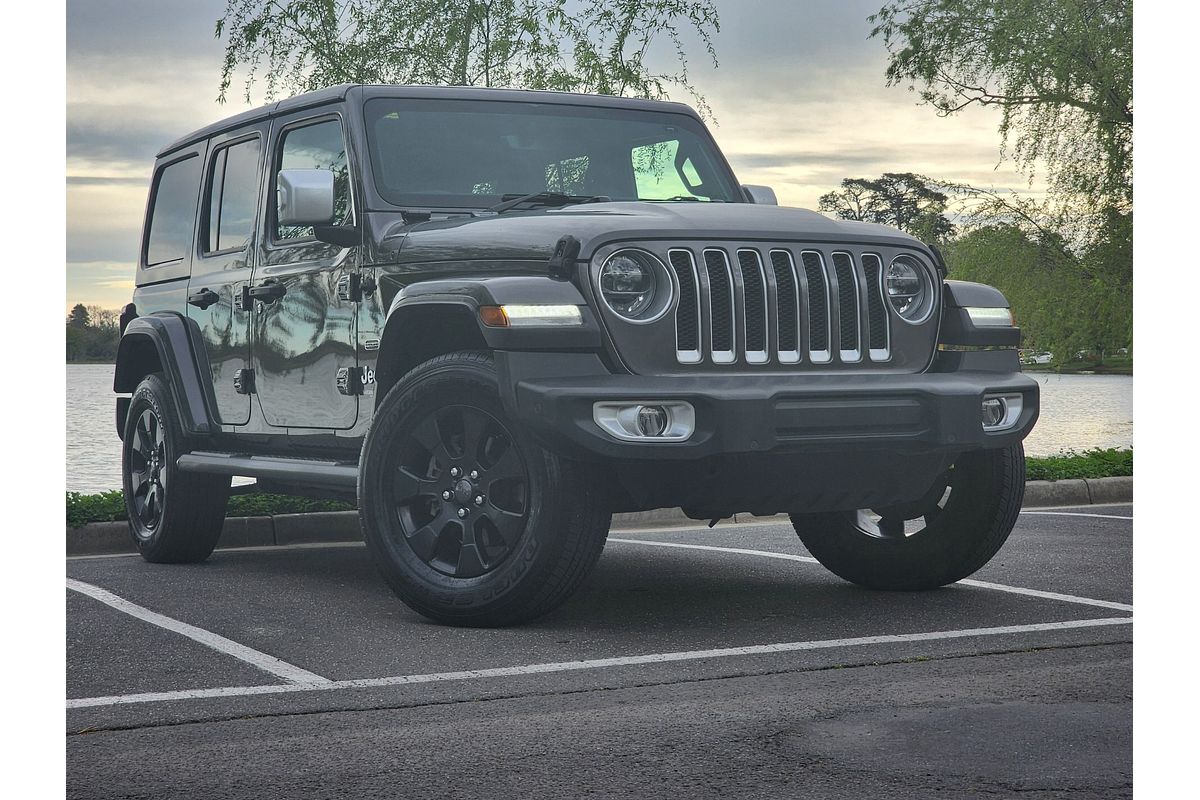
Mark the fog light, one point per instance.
(651, 420)
(631, 421)
(1001, 411)
(993, 412)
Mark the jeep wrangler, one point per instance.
(494, 318)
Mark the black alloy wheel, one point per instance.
(460, 490)
(147, 455)
(470, 520)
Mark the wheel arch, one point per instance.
(161, 342)
(417, 332)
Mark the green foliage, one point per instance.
(92, 334)
(597, 46)
(110, 506)
(1061, 71)
(910, 202)
(1096, 463)
(1058, 304)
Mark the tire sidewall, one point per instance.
(463, 379)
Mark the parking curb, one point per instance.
(103, 538)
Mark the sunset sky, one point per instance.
(799, 100)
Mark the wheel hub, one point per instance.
(464, 491)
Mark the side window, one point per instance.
(318, 146)
(173, 215)
(233, 197)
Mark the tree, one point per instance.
(79, 317)
(597, 46)
(1061, 71)
(910, 202)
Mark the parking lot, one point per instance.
(694, 662)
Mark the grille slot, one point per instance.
(847, 291)
(754, 304)
(780, 305)
(878, 336)
(720, 306)
(788, 306)
(687, 315)
(818, 306)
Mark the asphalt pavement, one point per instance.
(693, 663)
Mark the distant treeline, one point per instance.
(92, 334)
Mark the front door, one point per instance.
(304, 317)
(222, 265)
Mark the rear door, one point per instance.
(305, 325)
(222, 266)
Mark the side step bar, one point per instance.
(303, 471)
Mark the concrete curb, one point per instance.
(99, 538)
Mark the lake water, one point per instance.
(1078, 412)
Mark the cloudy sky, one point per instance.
(799, 100)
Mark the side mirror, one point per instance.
(760, 195)
(305, 197)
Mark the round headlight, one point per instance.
(634, 284)
(907, 287)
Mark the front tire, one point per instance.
(470, 522)
(963, 521)
(174, 517)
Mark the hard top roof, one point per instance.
(342, 91)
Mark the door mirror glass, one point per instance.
(305, 197)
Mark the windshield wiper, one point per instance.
(511, 201)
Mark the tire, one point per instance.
(534, 523)
(174, 517)
(963, 528)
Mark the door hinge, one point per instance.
(354, 286)
(243, 381)
(241, 298)
(350, 380)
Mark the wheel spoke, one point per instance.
(475, 425)
(470, 563)
(145, 440)
(408, 486)
(507, 524)
(423, 540)
(507, 466)
(891, 527)
(428, 434)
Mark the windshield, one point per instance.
(471, 154)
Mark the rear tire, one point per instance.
(174, 517)
(471, 522)
(963, 528)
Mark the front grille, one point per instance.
(779, 305)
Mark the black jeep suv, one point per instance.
(496, 317)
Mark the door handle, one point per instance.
(268, 291)
(203, 298)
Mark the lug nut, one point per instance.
(474, 474)
(462, 512)
(455, 472)
(478, 499)
(446, 495)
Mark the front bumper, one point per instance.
(934, 412)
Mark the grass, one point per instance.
(110, 506)
(1096, 463)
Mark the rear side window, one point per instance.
(173, 215)
(233, 197)
(317, 146)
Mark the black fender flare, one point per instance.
(957, 327)
(171, 337)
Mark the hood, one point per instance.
(531, 235)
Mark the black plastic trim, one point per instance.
(168, 332)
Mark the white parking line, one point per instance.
(267, 663)
(597, 663)
(1076, 514)
(1068, 598)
